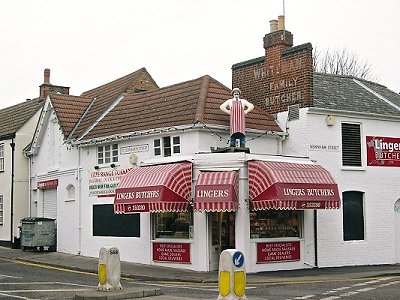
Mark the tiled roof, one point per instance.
(69, 110)
(179, 104)
(107, 93)
(344, 93)
(13, 117)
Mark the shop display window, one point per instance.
(173, 225)
(275, 224)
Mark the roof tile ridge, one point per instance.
(117, 100)
(201, 104)
(376, 94)
(78, 123)
(133, 75)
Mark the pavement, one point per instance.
(141, 272)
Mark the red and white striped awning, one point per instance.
(284, 185)
(216, 191)
(160, 188)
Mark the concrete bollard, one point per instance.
(109, 269)
(231, 275)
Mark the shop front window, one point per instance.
(275, 224)
(173, 225)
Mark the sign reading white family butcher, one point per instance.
(104, 183)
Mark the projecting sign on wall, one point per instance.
(383, 151)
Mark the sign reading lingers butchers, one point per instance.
(383, 151)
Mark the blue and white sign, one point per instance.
(238, 259)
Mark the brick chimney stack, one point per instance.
(47, 88)
(46, 76)
(282, 77)
(278, 36)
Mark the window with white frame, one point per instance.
(1, 157)
(1, 210)
(167, 146)
(107, 154)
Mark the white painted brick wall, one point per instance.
(381, 186)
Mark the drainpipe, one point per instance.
(280, 143)
(12, 144)
(315, 239)
(30, 186)
(79, 177)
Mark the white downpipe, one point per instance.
(79, 175)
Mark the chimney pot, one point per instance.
(273, 24)
(281, 22)
(47, 76)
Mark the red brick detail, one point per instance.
(284, 77)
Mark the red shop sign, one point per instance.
(383, 151)
(280, 251)
(48, 184)
(171, 252)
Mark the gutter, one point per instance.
(9, 136)
(352, 114)
(182, 128)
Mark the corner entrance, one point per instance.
(221, 235)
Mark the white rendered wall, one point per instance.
(5, 190)
(21, 183)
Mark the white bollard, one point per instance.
(231, 275)
(109, 269)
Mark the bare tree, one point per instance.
(342, 62)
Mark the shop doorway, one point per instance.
(221, 235)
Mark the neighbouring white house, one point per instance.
(17, 126)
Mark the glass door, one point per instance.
(221, 235)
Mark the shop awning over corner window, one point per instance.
(160, 188)
(284, 185)
(216, 191)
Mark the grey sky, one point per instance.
(87, 43)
